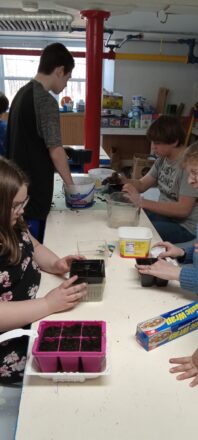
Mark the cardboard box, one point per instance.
(125, 122)
(167, 326)
(141, 165)
(112, 101)
(104, 122)
(161, 99)
(114, 122)
(145, 120)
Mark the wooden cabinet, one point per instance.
(72, 128)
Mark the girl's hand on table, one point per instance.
(65, 296)
(63, 265)
(161, 269)
(171, 250)
(187, 366)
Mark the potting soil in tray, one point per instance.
(70, 346)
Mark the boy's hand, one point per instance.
(132, 194)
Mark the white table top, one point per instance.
(140, 399)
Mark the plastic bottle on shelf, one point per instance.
(136, 117)
(80, 106)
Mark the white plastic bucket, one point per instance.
(99, 174)
(81, 194)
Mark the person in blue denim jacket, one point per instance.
(4, 104)
(186, 366)
(186, 275)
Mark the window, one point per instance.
(76, 85)
(17, 70)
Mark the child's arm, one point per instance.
(179, 209)
(140, 185)
(48, 261)
(15, 314)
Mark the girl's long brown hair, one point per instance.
(11, 180)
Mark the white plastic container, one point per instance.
(121, 211)
(81, 194)
(99, 174)
(93, 249)
(95, 292)
(134, 241)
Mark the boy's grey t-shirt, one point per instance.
(47, 115)
(33, 128)
(172, 181)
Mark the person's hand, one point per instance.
(132, 194)
(187, 366)
(65, 296)
(125, 180)
(63, 265)
(171, 250)
(161, 269)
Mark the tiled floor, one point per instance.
(9, 406)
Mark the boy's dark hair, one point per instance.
(167, 129)
(55, 55)
(4, 103)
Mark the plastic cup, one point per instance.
(93, 249)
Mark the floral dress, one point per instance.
(17, 283)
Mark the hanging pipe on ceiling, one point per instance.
(112, 55)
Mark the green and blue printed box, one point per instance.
(167, 326)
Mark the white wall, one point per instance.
(144, 78)
(108, 75)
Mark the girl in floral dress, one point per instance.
(21, 258)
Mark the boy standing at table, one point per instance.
(34, 137)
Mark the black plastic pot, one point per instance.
(160, 282)
(150, 280)
(88, 271)
(79, 156)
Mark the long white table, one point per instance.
(140, 399)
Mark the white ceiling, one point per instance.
(156, 19)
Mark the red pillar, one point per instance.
(94, 56)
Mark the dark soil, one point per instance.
(48, 345)
(71, 330)
(72, 344)
(91, 330)
(91, 344)
(52, 331)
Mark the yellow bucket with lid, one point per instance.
(134, 241)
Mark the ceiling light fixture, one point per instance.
(30, 6)
(162, 16)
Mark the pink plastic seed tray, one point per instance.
(70, 346)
